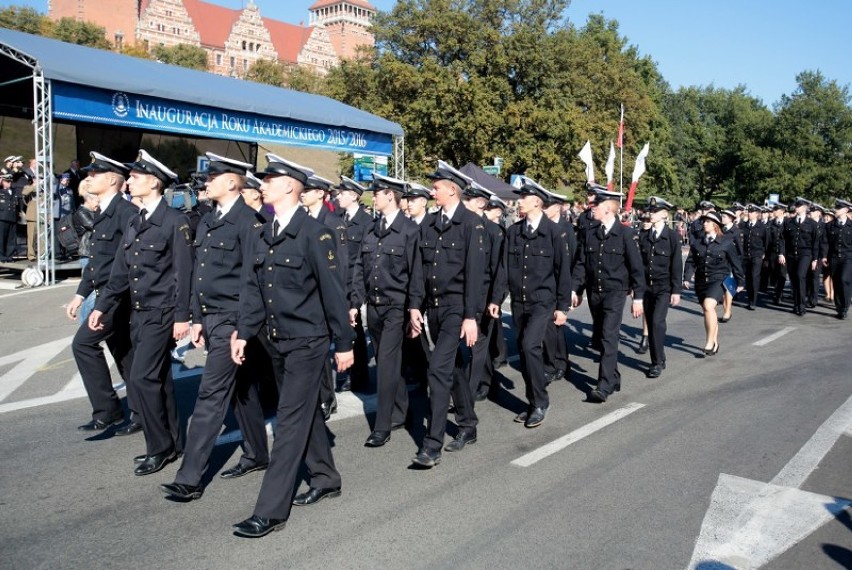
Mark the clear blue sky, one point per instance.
(762, 44)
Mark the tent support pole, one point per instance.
(43, 137)
(399, 157)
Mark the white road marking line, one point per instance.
(36, 289)
(774, 336)
(29, 362)
(576, 435)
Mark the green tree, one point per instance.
(81, 33)
(184, 55)
(813, 136)
(304, 79)
(266, 71)
(25, 19)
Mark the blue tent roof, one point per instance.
(75, 64)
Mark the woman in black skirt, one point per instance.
(711, 260)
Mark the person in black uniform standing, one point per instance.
(777, 272)
(313, 198)
(294, 285)
(661, 255)
(226, 237)
(798, 250)
(481, 367)
(712, 259)
(106, 179)
(609, 266)
(384, 273)
(696, 227)
(839, 256)
(496, 212)
(358, 223)
(451, 244)
(155, 264)
(754, 245)
(8, 218)
(536, 271)
(814, 280)
(555, 344)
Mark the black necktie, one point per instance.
(143, 213)
(276, 227)
(383, 226)
(218, 214)
(346, 218)
(445, 221)
(530, 230)
(654, 235)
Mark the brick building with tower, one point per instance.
(233, 38)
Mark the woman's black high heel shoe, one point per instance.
(712, 351)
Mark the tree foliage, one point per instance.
(266, 71)
(184, 55)
(25, 19)
(81, 33)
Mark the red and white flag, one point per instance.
(638, 171)
(585, 155)
(610, 166)
(620, 142)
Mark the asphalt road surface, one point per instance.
(741, 460)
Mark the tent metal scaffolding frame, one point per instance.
(43, 137)
(399, 157)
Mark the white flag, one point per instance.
(585, 155)
(639, 169)
(610, 163)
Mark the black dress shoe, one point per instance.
(521, 418)
(654, 371)
(395, 427)
(139, 459)
(643, 345)
(346, 386)
(182, 491)
(315, 495)
(462, 439)
(377, 439)
(100, 425)
(811, 305)
(535, 418)
(239, 470)
(129, 429)
(751, 307)
(549, 377)
(427, 457)
(329, 407)
(481, 394)
(256, 526)
(154, 463)
(596, 397)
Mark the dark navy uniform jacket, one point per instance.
(107, 236)
(536, 266)
(8, 206)
(799, 240)
(293, 285)
(755, 239)
(663, 260)
(389, 270)
(154, 264)
(454, 262)
(334, 222)
(493, 251)
(714, 261)
(773, 230)
(221, 248)
(356, 228)
(839, 237)
(609, 263)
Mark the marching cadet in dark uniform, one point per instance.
(828, 217)
(777, 272)
(696, 226)
(730, 228)
(711, 260)
(755, 240)
(386, 270)
(815, 274)
(839, 256)
(798, 250)
(475, 197)
(313, 198)
(585, 221)
(555, 344)
(496, 211)
(226, 237)
(536, 271)
(358, 223)
(106, 178)
(8, 217)
(451, 244)
(415, 351)
(660, 248)
(155, 264)
(609, 266)
(294, 286)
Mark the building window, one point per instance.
(218, 59)
(251, 46)
(233, 62)
(245, 64)
(244, 45)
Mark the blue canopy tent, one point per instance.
(81, 85)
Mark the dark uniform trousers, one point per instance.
(447, 376)
(607, 308)
(8, 221)
(841, 277)
(778, 278)
(151, 379)
(221, 382)
(797, 268)
(94, 370)
(359, 374)
(481, 362)
(656, 303)
(752, 267)
(531, 327)
(555, 348)
(387, 329)
(300, 431)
